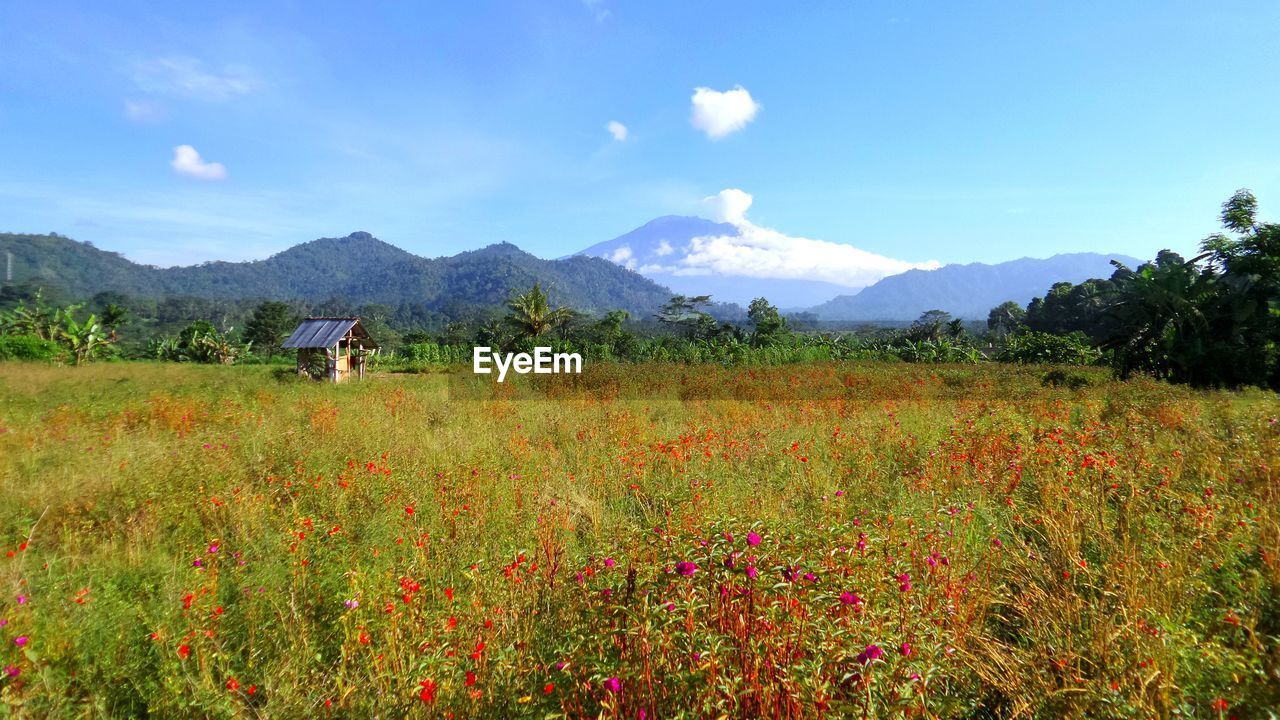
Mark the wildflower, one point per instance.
(790, 573)
(613, 685)
(352, 604)
(1220, 705)
(870, 654)
(905, 649)
(196, 563)
(753, 539)
(904, 582)
(686, 568)
(996, 543)
(849, 598)
(428, 693)
(22, 599)
(184, 651)
(548, 688)
(471, 678)
(233, 684)
(752, 572)
(12, 671)
(609, 562)
(810, 577)
(20, 641)
(213, 549)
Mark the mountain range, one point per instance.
(631, 272)
(966, 291)
(358, 269)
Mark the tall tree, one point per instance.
(769, 325)
(270, 324)
(531, 316)
(1005, 318)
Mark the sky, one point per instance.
(916, 132)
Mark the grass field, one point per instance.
(864, 540)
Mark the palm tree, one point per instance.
(532, 316)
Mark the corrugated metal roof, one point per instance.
(324, 332)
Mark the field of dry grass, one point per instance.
(866, 540)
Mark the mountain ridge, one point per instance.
(358, 268)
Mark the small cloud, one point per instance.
(721, 113)
(188, 77)
(187, 161)
(729, 205)
(664, 248)
(623, 257)
(143, 111)
(597, 8)
(617, 130)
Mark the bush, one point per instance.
(28, 347)
(1049, 349)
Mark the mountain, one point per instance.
(966, 291)
(658, 245)
(357, 268)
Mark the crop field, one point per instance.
(860, 540)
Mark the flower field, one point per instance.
(864, 540)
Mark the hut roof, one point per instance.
(325, 332)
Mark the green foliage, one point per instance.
(270, 324)
(80, 340)
(769, 325)
(531, 316)
(1005, 318)
(199, 342)
(29, 347)
(1046, 348)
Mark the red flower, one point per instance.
(471, 678)
(184, 651)
(233, 685)
(428, 693)
(548, 688)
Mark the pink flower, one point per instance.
(20, 641)
(613, 685)
(905, 649)
(849, 598)
(686, 568)
(12, 670)
(213, 549)
(753, 539)
(752, 572)
(904, 582)
(22, 599)
(608, 562)
(870, 654)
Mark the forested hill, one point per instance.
(357, 268)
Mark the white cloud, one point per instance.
(664, 249)
(617, 130)
(720, 113)
(766, 253)
(597, 8)
(729, 205)
(143, 111)
(188, 77)
(623, 256)
(187, 161)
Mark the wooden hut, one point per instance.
(341, 341)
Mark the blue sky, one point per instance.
(955, 132)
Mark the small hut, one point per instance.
(341, 341)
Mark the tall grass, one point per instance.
(857, 539)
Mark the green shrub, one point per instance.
(1049, 349)
(28, 347)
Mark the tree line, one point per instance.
(1211, 321)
